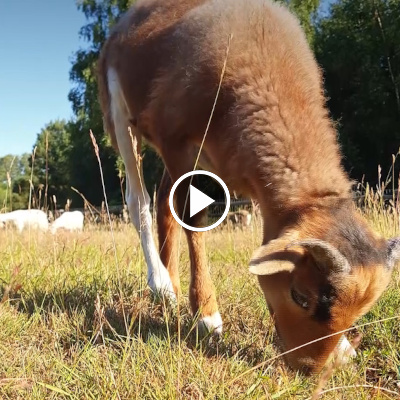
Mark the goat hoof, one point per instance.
(344, 350)
(163, 290)
(211, 324)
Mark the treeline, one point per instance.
(356, 42)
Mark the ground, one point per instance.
(77, 322)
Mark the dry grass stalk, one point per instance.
(332, 366)
(96, 150)
(9, 187)
(377, 388)
(17, 383)
(215, 100)
(138, 158)
(45, 205)
(121, 184)
(221, 78)
(92, 209)
(258, 366)
(12, 286)
(31, 188)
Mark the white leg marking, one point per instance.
(136, 194)
(212, 323)
(157, 275)
(344, 350)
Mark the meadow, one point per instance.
(77, 321)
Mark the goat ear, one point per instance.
(274, 257)
(393, 252)
(328, 258)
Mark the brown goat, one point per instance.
(320, 266)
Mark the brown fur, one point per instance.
(270, 138)
(167, 231)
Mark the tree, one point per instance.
(52, 166)
(358, 46)
(306, 11)
(15, 166)
(14, 181)
(84, 98)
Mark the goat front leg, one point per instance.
(202, 292)
(167, 232)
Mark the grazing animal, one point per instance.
(270, 138)
(69, 220)
(241, 218)
(25, 219)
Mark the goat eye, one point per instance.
(299, 299)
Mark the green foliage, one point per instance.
(14, 181)
(101, 16)
(52, 163)
(84, 167)
(16, 166)
(358, 45)
(306, 11)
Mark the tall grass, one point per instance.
(7, 202)
(63, 333)
(77, 321)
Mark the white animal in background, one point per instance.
(25, 219)
(241, 218)
(69, 220)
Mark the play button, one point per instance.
(196, 200)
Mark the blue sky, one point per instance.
(37, 41)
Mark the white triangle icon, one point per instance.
(198, 200)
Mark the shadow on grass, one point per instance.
(95, 312)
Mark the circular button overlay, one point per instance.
(197, 200)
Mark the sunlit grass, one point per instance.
(62, 331)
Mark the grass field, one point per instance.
(78, 322)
